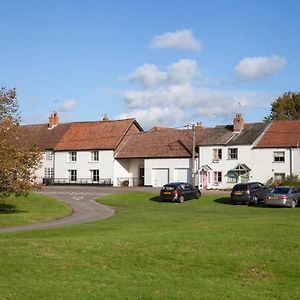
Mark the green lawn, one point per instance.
(31, 209)
(202, 249)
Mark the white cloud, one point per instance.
(68, 106)
(181, 95)
(180, 39)
(255, 68)
(161, 116)
(183, 70)
(149, 75)
(173, 105)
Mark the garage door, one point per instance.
(181, 174)
(160, 177)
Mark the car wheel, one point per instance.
(233, 202)
(197, 195)
(254, 200)
(181, 199)
(293, 204)
(161, 200)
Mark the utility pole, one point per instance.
(193, 154)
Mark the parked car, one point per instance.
(284, 196)
(250, 192)
(179, 191)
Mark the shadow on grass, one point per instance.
(155, 199)
(228, 202)
(9, 209)
(223, 200)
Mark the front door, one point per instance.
(204, 176)
(142, 176)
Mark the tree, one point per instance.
(19, 158)
(285, 107)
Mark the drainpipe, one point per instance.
(291, 162)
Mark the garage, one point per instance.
(181, 174)
(160, 177)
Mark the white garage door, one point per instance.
(160, 177)
(181, 174)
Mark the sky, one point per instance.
(164, 63)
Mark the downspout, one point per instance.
(53, 166)
(291, 162)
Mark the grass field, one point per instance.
(202, 249)
(31, 209)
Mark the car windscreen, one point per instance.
(280, 190)
(169, 187)
(242, 187)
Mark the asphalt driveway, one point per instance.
(82, 201)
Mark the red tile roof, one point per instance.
(281, 134)
(41, 136)
(99, 135)
(162, 143)
(102, 135)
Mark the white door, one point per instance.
(181, 175)
(160, 177)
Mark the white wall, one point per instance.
(245, 156)
(126, 169)
(265, 167)
(44, 163)
(83, 165)
(166, 163)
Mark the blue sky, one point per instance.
(166, 63)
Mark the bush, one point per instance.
(292, 180)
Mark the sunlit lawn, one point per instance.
(31, 209)
(201, 249)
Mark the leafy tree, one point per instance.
(18, 157)
(285, 107)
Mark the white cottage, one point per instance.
(277, 154)
(226, 155)
(80, 152)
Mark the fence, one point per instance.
(79, 181)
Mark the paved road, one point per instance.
(82, 202)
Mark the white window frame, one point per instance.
(72, 156)
(279, 155)
(72, 175)
(234, 155)
(95, 155)
(95, 175)
(216, 176)
(279, 176)
(217, 154)
(48, 172)
(49, 155)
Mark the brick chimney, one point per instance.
(238, 123)
(53, 120)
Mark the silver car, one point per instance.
(284, 196)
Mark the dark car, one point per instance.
(250, 192)
(179, 191)
(284, 196)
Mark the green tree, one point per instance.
(19, 158)
(285, 107)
